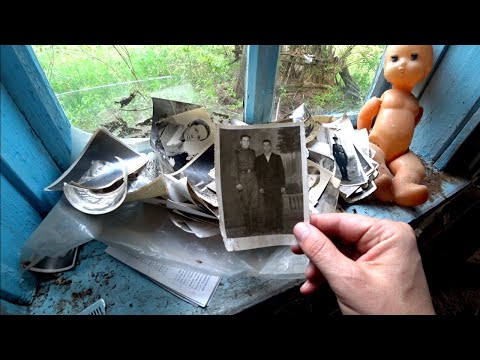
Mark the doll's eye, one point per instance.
(414, 56)
(394, 58)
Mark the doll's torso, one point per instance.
(395, 123)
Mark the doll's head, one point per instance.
(406, 65)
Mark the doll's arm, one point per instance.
(368, 112)
(419, 116)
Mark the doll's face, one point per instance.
(406, 65)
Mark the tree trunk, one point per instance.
(237, 51)
(240, 86)
(351, 87)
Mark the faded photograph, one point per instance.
(328, 201)
(323, 160)
(165, 108)
(180, 137)
(318, 178)
(348, 168)
(200, 175)
(261, 183)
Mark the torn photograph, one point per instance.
(324, 161)
(165, 108)
(148, 182)
(328, 201)
(97, 167)
(261, 182)
(301, 114)
(98, 201)
(348, 167)
(318, 178)
(180, 137)
(49, 265)
(200, 175)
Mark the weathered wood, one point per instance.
(23, 77)
(262, 61)
(25, 162)
(448, 155)
(442, 187)
(18, 220)
(438, 53)
(7, 308)
(127, 292)
(447, 100)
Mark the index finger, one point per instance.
(348, 228)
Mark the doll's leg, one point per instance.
(409, 172)
(383, 181)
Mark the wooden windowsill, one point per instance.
(127, 292)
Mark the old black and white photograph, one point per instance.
(324, 161)
(180, 137)
(100, 154)
(318, 178)
(328, 201)
(200, 174)
(261, 182)
(165, 108)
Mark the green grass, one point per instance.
(81, 75)
(87, 79)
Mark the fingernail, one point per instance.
(301, 231)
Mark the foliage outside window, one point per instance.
(327, 78)
(111, 85)
(90, 81)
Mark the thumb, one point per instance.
(321, 251)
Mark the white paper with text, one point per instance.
(192, 286)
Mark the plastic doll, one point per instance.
(398, 112)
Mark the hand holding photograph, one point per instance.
(261, 182)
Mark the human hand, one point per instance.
(261, 190)
(239, 187)
(373, 268)
(282, 189)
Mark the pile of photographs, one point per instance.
(323, 183)
(108, 172)
(346, 152)
(313, 159)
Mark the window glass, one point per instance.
(112, 85)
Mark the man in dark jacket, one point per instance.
(271, 183)
(341, 158)
(243, 171)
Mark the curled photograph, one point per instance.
(180, 137)
(261, 182)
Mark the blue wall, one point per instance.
(35, 150)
